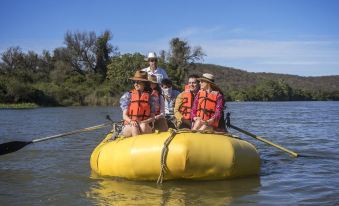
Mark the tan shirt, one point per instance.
(178, 102)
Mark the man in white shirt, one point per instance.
(153, 68)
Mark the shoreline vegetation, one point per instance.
(89, 71)
(19, 106)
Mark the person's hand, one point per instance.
(133, 123)
(196, 118)
(159, 116)
(209, 122)
(179, 122)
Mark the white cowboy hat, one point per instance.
(151, 55)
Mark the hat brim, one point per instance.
(210, 82)
(148, 58)
(138, 79)
(206, 80)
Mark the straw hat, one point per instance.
(140, 76)
(209, 78)
(152, 79)
(151, 55)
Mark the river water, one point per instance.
(57, 172)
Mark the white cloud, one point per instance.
(197, 31)
(293, 57)
(300, 57)
(242, 48)
(255, 51)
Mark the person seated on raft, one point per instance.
(208, 105)
(159, 105)
(184, 103)
(170, 95)
(137, 107)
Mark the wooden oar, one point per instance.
(294, 154)
(13, 146)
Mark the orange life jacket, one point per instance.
(207, 105)
(187, 101)
(157, 104)
(139, 108)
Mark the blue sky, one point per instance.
(298, 37)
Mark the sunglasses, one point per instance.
(152, 60)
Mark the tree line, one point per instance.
(239, 85)
(89, 70)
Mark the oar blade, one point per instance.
(13, 146)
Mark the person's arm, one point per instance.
(195, 108)
(125, 100)
(164, 74)
(218, 110)
(125, 116)
(162, 107)
(151, 103)
(178, 103)
(124, 103)
(153, 110)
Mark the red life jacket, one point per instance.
(139, 108)
(155, 94)
(187, 101)
(207, 105)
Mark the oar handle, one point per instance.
(72, 132)
(264, 140)
(13, 146)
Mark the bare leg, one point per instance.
(135, 130)
(127, 131)
(145, 128)
(203, 127)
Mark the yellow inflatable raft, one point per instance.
(175, 155)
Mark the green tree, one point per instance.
(103, 50)
(286, 90)
(82, 47)
(182, 58)
(121, 68)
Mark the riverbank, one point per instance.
(19, 106)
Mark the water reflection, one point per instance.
(105, 191)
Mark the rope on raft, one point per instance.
(164, 152)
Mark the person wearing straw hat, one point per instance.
(208, 105)
(159, 105)
(153, 68)
(137, 107)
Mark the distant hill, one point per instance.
(230, 78)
